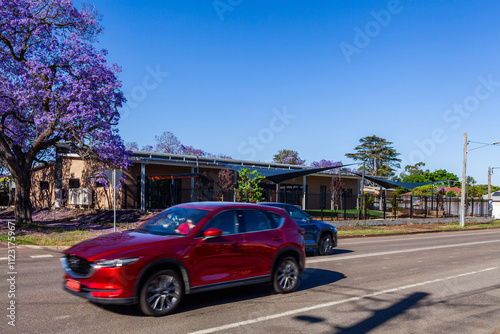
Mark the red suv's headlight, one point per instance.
(115, 263)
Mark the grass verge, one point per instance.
(65, 238)
(334, 213)
(412, 228)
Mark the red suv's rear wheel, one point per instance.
(161, 293)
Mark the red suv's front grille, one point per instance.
(78, 265)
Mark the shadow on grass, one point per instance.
(60, 220)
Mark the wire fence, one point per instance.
(434, 206)
(344, 206)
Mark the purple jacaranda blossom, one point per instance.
(289, 157)
(167, 142)
(55, 87)
(329, 163)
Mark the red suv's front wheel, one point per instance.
(161, 293)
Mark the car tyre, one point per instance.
(162, 293)
(325, 245)
(286, 275)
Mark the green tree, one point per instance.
(451, 193)
(248, 186)
(412, 169)
(426, 190)
(476, 191)
(429, 190)
(427, 176)
(368, 201)
(394, 204)
(380, 157)
(483, 189)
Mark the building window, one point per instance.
(322, 197)
(44, 185)
(74, 183)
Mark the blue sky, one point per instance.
(247, 78)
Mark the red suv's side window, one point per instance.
(256, 221)
(276, 219)
(227, 221)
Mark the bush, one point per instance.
(451, 193)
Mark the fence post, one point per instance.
(437, 206)
(411, 205)
(383, 199)
(345, 207)
(425, 206)
(472, 207)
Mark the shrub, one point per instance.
(451, 193)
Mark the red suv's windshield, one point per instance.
(173, 221)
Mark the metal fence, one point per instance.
(435, 206)
(165, 195)
(160, 197)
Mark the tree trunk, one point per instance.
(22, 200)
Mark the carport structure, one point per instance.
(179, 174)
(387, 184)
(278, 175)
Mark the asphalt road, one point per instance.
(432, 283)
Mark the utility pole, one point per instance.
(362, 191)
(464, 177)
(464, 181)
(489, 183)
(489, 191)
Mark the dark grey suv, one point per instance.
(320, 236)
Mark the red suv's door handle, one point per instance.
(236, 245)
(276, 238)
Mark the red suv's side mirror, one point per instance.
(212, 233)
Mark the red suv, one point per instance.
(186, 249)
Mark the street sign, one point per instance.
(109, 175)
(113, 177)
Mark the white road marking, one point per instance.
(337, 258)
(329, 304)
(421, 236)
(40, 256)
(3, 258)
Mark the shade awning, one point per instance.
(394, 184)
(278, 175)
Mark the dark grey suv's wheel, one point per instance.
(325, 245)
(161, 293)
(286, 275)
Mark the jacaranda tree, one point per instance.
(55, 87)
(290, 157)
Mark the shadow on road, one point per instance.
(336, 251)
(378, 317)
(312, 278)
